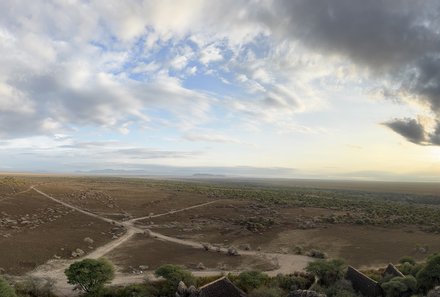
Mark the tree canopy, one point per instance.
(90, 275)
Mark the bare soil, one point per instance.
(51, 230)
(144, 251)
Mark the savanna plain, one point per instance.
(209, 225)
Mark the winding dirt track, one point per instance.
(54, 269)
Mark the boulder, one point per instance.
(89, 240)
(232, 251)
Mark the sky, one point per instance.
(276, 88)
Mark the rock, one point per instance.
(247, 247)
(78, 253)
(192, 291)
(2, 270)
(89, 240)
(432, 293)
(200, 266)
(205, 246)
(181, 288)
(143, 267)
(232, 251)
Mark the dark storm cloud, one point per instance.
(412, 130)
(398, 39)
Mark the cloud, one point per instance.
(211, 137)
(116, 66)
(396, 40)
(412, 130)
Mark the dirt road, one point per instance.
(54, 269)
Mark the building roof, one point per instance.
(220, 288)
(362, 283)
(392, 270)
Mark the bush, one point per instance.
(290, 282)
(266, 292)
(249, 280)
(5, 289)
(429, 276)
(90, 275)
(128, 291)
(398, 286)
(35, 287)
(317, 254)
(407, 260)
(327, 272)
(172, 274)
(175, 273)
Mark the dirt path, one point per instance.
(15, 194)
(54, 269)
(171, 212)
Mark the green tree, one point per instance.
(173, 274)
(429, 276)
(397, 286)
(327, 271)
(90, 275)
(5, 289)
(249, 280)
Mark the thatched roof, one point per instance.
(221, 288)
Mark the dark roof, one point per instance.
(392, 270)
(362, 283)
(221, 288)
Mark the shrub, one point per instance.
(172, 274)
(35, 287)
(135, 290)
(175, 273)
(290, 282)
(429, 276)
(266, 292)
(317, 254)
(327, 272)
(249, 280)
(398, 286)
(90, 275)
(341, 288)
(5, 289)
(407, 260)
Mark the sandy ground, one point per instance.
(54, 269)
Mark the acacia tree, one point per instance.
(90, 275)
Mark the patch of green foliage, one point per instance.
(173, 274)
(90, 275)
(359, 207)
(327, 271)
(250, 280)
(5, 289)
(429, 276)
(398, 286)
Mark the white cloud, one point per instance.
(210, 54)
